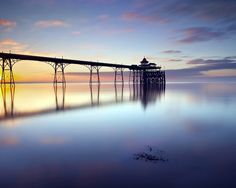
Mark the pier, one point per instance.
(145, 73)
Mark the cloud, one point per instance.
(42, 2)
(195, 61)
(102, 1)
(8, 42)
(129, 16)
(212, 64)
(51, 23)
(231, 57)
(171, 52)
(221, 69)
(224, 61)
(199, 34)
(202, 66)
(103, 17)
(137, 16)
(118, 31)
(7, 24)
(11, 45)
(76, 33)
(175, 60)
(205, 10)
(219, 14)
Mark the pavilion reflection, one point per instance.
(149, 93)
(146, 94)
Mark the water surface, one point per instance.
(83, 136)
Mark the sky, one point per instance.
(193, 40)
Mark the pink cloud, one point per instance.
(43, 2)
(127, 30)
(102, 1)
(7, 23)
(130, 16)
(11, 45)
(8, 42)
(171, 52)
(199, 34)
(50, 23)
(76, 33)
(118, 31)
(136, 16)
(103, 17)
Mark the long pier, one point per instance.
(137, 73)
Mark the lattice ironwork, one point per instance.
(59, 71)
(7, 76)
(119, 72)
(94, 71)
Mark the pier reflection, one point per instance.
(119, 92)
(94, 91)
(59, 92)
(8, 94)
(66, 97)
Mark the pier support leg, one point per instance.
(91, 76)
(119, 71)
(130, 73)
(7, 71)
(92, 69)
(133, 76)
(164, 77)
(115, 75)
(59, 73)
(136, 76)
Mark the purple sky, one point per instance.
(191, 39)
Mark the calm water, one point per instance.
(80, 136)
